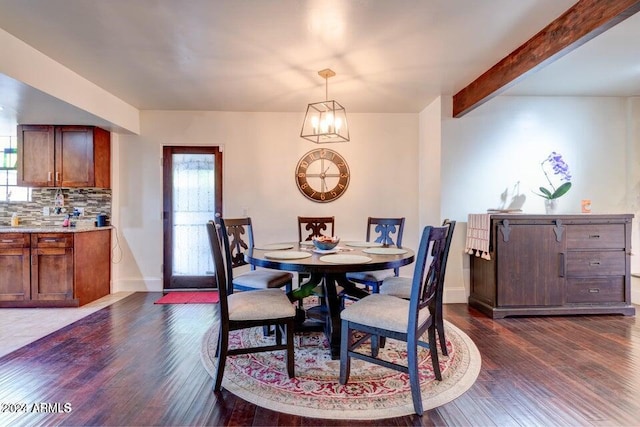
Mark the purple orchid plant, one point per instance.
(559, 167)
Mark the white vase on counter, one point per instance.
(551, 206)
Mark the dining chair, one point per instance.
(235, 244)
(242, 310)
(388, 232)
(378, 315)
(401, 286)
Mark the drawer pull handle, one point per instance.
(52, 240)
(594, 262)
(8, 241)
(594, 236)
(594, 291)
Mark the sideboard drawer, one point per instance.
(586, 263)
(610, 289)
(595, 236)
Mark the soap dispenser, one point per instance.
(14, 220)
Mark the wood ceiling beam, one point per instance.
(579, 24)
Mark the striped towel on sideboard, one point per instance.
(478, 230)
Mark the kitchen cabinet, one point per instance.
(51, 266)
(15, 270)
(48, 269)
(64, 156)
(554, 264)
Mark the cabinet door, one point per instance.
(74, 156)
(14, 274)
(36, 156)
(530, 266)
(51, 274)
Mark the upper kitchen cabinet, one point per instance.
(63, 156)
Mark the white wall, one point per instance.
(260, 153)
(426, 167)
(429, 196)
(497, 149)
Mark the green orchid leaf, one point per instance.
(561, 191)
(546, 193)
(302, 292)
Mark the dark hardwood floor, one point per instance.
(136, 363)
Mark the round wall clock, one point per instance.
(322, 175)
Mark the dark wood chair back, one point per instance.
(220, 267)
(315, 226)
(439, 321)
(237, 238)
(387, 231)
(427, 280)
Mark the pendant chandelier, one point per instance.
(325, 121)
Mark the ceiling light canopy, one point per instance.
(325, 121)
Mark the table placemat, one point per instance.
(275, 246)
(287, 255)
(364, 244)
(385, 251)
(345, 259)
(306, 243)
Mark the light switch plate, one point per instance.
(46, 211)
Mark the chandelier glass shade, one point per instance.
(325, 121)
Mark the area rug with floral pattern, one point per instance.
(372, 392)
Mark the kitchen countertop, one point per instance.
(52, 228)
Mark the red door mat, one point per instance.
(189, 298)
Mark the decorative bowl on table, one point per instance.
(325, 243)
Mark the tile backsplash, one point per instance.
(93, 200)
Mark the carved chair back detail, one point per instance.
(310, 227)
(389, 230)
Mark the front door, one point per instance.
(192, 193)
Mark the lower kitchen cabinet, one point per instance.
(52, 266)
(554, 265)
(15, 267)
(54, 269)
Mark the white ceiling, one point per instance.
(263, 55)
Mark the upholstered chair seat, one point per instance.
(262, 279)
(383, 311)
(260, 304)
(397, 286)
(370, 276)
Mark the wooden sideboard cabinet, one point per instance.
(554, 265)
(54, 269)
(63, 156)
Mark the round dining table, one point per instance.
(329, 269)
